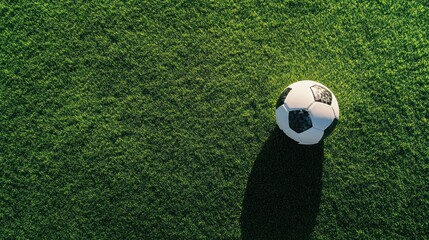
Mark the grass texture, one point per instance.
(155, 120)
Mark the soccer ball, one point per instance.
(307, 112)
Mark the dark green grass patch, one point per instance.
(149, 120)
(283, 191)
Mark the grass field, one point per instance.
(155, 120)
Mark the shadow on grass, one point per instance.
(282, 196)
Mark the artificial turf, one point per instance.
(155, 120)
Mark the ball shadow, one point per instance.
(283, 192)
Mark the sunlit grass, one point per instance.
(122, 120)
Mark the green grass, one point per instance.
(131, 120)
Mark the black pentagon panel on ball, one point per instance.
(282, 98)
(321, 94)
(299, 120)
(330, 128)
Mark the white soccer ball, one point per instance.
(307, 112)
